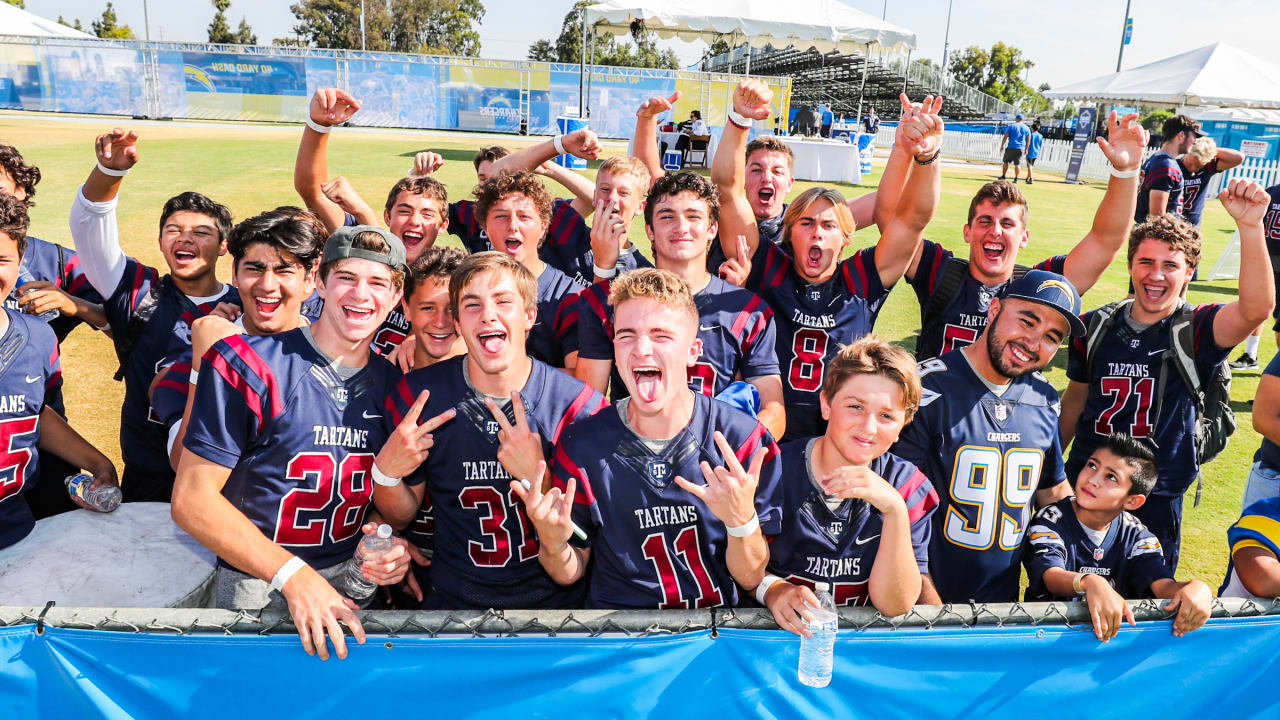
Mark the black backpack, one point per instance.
(1215, 420)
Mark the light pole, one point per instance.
(885, 12)
(146, 20)
(946, 39)
(362, 24)
(1124, 30)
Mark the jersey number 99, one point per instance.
(996, 491)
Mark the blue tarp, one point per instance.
(1225, 669)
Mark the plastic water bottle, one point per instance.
(371, 547)
(817, 652)
(24, 277)
(103, 498)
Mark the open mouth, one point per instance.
(814, 257)
(992, 252)
(184, 257)
(492, 341)
(648, 379)
(1020, 353)
(765, 195)
(266, 307)
(1154, 293)
(411, 238)
(512, 245)
(357, 314)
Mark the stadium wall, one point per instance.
(1016, 661)
(275, 83)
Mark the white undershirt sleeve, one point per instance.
(97, 239)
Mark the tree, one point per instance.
(106, 26)
(543, 51)
(608, 51)
(999, 72)
(76, 24)
(17, 3)
(336, 24)
(245, 34)
(219, 31)
(439, 27)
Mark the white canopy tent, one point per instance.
(1217, 74)
(828, 25)
(16, 21)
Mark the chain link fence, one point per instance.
(628, 623)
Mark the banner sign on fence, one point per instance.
(1080, 142)
(1226, 668)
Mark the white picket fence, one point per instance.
(1055, 155)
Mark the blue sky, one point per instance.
(1068, 41)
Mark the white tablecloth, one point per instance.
(825, 161)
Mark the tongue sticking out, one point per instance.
(647, 385)
(493, 343)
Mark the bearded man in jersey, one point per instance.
(282, 432)
(654, 536)
(987, 434)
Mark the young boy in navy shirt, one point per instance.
(1090, 545)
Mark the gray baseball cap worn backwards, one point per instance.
(339, 246)
(1051, 290)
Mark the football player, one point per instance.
(283, 430)
(1092, 545)
(30, 389)
(147, 313)
(735, 326)
(1119, 387)
(987, 431)
(495, 413)
(1254, 543)
(954, 293)
(653, 538)
(819, 301)
(854, 516)
(517, 212)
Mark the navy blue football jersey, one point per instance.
(555, 331)
(1122, 387)
(814, 320)
(965, 316)
(299, 439)
(486, 551)
(987, 456)
(468, 229)
(30, 379)
(50, 262)
(312, 306)
(735, 325)
(1271, 223)
(1129, 557)
(654, 545)
(392, 332)
(1194, 185)
(839, 547)
(1161, 171)
(147, 474)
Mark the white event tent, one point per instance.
(16, 21)
(1217, 74)
(827, 25)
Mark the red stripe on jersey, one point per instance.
(775, 265)
(934, 267)
(406, 398)
(864, 277)
(575, 407)
(567, 315)
(753, 443)
(562, 223)
(140, 273)
(177, 385)
(740, 322)
(1197, 322)
(583, 495)
(597, 305)
(260, 368)
(55, 365)
(924, 504)
(237, 383)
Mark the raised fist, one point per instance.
(331, 106)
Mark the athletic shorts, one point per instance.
(1031, 160)
(1013, 155)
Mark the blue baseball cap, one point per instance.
(1018, 116)
(1051, 290)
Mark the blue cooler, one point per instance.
(671, 160)
(567, 125)
(866, 150)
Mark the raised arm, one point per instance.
(1228, 158)
(1247, 204)
(94, 229)
(580, 143)
(1073, 402)
(584, 191)
(729, 169)
(1123, 146)
(644, 146)
(329, 107)
(919, 145)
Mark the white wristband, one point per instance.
(558, 142)
(111, 171)
(191, 379)
(603, 273)
(739, 119)
(746, 528)
(286, 571)
(763, 588)
(1125, 173)
(382, 478)
(322, 129)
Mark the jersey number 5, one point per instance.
(13, 463)
(996, 491)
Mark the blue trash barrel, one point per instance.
(866, 150)
(567, 125)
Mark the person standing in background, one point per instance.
(1014, 144)
(1034, 141)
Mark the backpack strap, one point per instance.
(948, 285)
(1100, 323)
(137, 323)
(62, 267)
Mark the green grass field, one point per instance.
(250, 170)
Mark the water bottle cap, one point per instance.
(822, 587)
(384, 531)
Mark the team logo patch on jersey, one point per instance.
(998, 409)
(984, 298)
(1098, 553)
(815, 293)
(659, 470)
(182, 331)
(1133, 343)
(835, 528)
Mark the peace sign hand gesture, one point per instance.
(519, 449)
(730, 491)
(410, 443)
